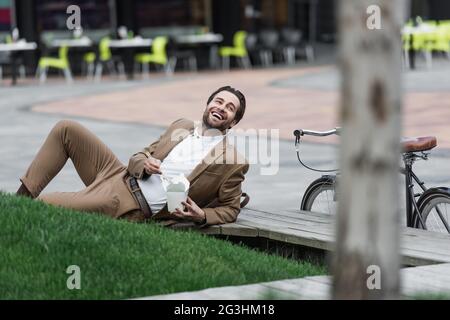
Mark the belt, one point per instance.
(136, 191)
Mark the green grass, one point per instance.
(119, 259)
(431, 296)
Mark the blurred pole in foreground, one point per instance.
(366, 261)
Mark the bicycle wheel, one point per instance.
(320, 196)
(434, 206)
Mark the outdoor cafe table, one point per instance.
(128, 47)
(15, 49)
(207, 39)
(72, 43)
(130, 43)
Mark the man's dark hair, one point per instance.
(240, 112)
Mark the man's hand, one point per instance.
(152, 165)
(194, 212)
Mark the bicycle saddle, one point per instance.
(417, 144)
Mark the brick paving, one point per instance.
(270, 104)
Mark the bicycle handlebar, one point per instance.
(302, 132)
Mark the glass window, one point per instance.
(51, 14)
(262, 14)
(5, 15)
(157, 13)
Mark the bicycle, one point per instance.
(429, 209)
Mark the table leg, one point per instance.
(14, 68)
(128, 57)
(412, 53)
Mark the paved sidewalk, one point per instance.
(418, 282)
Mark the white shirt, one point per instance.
(183, 158)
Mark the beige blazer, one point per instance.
(215, 182)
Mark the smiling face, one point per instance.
(220, 113)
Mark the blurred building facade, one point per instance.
(315, 18)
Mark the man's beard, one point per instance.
(222, 127)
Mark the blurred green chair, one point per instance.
(158, 56)
(94, 65)
(440, 39)
(238, 51)
(106, 58)
(406, 47)
(60, 63)
(421, 42)
(429, 23)
(88, 66)
(435, 40)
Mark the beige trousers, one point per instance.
(102, 173)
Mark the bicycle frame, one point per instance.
(411, 203)
(412, 208)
